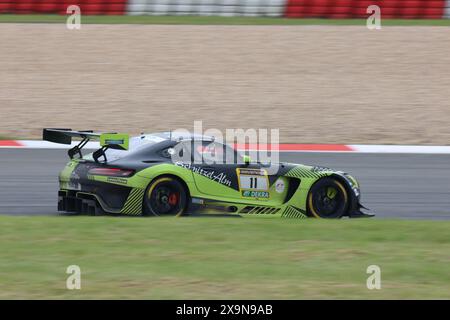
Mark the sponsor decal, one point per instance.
(320, 169)
(111, 141)
(279, 186)
(117, 180)
(220, 177)
(253, 183)
(252, 172)
(74, 182)
(255, 194)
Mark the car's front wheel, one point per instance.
(165, 196)
(328, 198)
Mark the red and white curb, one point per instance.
(285, 147)
(37, 144)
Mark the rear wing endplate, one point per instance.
(118, 141)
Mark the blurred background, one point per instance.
(317, 83)
(311, 68)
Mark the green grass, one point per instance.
(220, 258)
(213, 20)
(5, 137)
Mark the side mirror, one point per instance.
(246, 159)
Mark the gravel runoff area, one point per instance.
(318, 84)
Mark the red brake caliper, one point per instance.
(173, 199)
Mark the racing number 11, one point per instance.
(253, 183)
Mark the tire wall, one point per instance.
(88, 7)
(406, 9)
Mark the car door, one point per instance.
(220, 171)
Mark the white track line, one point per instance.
(356, 148)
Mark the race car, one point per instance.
(168, 174)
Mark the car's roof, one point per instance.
(173, 136)
(148, 143)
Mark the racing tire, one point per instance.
(327, 199)
(165, 196)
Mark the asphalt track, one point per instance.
(410, 186)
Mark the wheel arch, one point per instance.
(173, 176)
(353, 201)
(348, 188)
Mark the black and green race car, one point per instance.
(163, 174)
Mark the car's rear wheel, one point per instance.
(328, 198)
(165, 196)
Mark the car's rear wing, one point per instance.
(110, 140)
(64, 136)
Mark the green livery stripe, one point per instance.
(133, 205)
(292, 212)
(300, 172)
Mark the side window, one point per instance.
(211, 152)
(217, 153)
(205, 152)
(180, 152)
